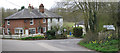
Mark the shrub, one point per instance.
(77, 31)
(50, 32)
(49, 37)
(33, 38)
(39, 36)
(110, 46)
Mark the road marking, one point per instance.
(49, 47)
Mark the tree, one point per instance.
(23, 7)
(118, 22)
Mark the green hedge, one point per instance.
(77, 31)
(33, 38)
(50, 32)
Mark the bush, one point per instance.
(39, 36)
(110, 46)
(50, 32)
(33, 38)
(49, 37)
(77, 31)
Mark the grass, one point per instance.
(69, 24)
(33, 38)
(70, 36)
(105, 47)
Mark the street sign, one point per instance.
(109, 27)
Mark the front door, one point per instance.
(26, 32)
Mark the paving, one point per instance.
(43, 45)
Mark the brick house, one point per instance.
(31, 21)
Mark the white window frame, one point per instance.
(8, 21)
(8, 30)
(44, 21)
(38, 29)
(19, 31)
(33, 28)
(22, 31)
(32, 20)
(16, 31)
(45, 29)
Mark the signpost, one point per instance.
(109, 27)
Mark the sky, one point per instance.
(18, 3)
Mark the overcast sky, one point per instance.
(18, 3)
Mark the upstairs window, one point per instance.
(8, 22)
(31, 22)
(44, 20)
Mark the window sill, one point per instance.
(44, 22)
(31, 24)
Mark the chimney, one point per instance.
(41, 8)
(32, 7)
(29, 6)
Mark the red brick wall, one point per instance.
(21, 23)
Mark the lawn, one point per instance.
(105, 47)
(69, 24)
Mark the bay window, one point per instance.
(32, 30)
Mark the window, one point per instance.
(16, 31)
(32, 30)
(8, 22)
(19, 31)
(31, 22)
(8, 31)
(44, 29)
(39, 30)
(44, 20)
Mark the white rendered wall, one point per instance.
(55, 22)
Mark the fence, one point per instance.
(17, 36)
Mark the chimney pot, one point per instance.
(32, 7)
(41, 8)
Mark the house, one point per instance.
(80, 24)
(0, 30)
(31, 21)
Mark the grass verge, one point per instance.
(105, 47)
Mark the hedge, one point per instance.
(77, 31)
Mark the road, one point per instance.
(43, 45)
(0, 45)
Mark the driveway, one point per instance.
(43, 45)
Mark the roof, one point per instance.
(34, 13)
